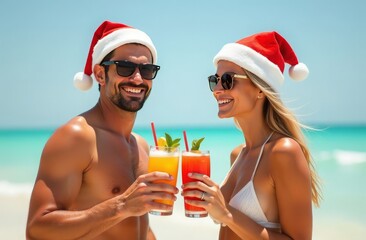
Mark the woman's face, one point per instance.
(239, 100)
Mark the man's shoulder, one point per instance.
(76, 130)
(71, 145)
(138, 137)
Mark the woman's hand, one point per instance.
(209, 193)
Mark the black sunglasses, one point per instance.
(227, 80)
(127, 68)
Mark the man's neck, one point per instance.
(115, 119)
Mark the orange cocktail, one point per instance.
(164, 159)
(194, 162)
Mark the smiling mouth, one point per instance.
(133, 90)
(224, 101)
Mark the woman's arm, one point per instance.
(291, 176)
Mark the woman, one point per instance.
(269, 190)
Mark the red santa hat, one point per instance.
(108, 37)
(264, 54)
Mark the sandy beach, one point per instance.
(14, 207)
(13, 216)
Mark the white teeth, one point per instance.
(132, 90)
(223, 101)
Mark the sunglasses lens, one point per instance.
(148, 71)
(125, 69)
(226, 81)
(212, 82)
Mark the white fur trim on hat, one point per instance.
(83, 81)
(298, 72)
(252, 61)
(121, 37)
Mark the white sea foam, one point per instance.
(324, 156)
(343, 157)
(349, 157)
(13, 189)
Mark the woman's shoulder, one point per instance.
(285, 154)
(282, 145)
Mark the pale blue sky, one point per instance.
(44, 43)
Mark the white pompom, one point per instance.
(299, 72)
(82, 81)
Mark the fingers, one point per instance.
(198, 199)
(202, 198)
(201, 186)
(159, 201)
(157, 181)
(153, 176)
(141, 203)
(150, 191)
(162, 196)
(202, 189)
(197, 194)
(196, 185)
(203, 178)
(157, 187)
(160, 206)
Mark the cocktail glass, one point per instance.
(194, 162)
(164, 159)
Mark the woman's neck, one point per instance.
(255, 131)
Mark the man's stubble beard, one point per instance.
(132, 104)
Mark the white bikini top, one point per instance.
(246, 200)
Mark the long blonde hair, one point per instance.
(282, 120)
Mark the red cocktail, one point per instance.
(194, 162)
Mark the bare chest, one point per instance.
(115, 165)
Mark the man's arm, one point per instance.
(66, 156)
(144, 149)
(150, 235)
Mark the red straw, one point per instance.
(154, 133)
(185, 140)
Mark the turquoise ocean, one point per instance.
(339, 153)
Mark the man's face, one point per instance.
(128, 93)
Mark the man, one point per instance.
(92, 181)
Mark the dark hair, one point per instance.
(106, 67)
